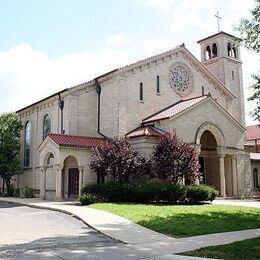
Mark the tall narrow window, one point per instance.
(46, 126)
(157, 84)
(233, 75)
(141, 92)
(234, 52)
(214, 50)
(208, 53)
(229, 50)
(27, 143)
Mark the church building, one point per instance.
(201, 101)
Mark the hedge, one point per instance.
(147, 193)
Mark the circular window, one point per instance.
(180, 78)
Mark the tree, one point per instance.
(10, 165)
(250, 30)
(117, 158)
(173, 160)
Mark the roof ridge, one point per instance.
(79, 136)
(188, 99)
(174, 104)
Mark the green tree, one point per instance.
(10, 165)
(250, 37)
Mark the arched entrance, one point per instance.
(71, 178)
(209, 160)
(47, 189)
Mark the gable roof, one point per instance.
(252, 132)
(145, 131)
(143, 62)
(174, 109)
(213, 35)
(184, 105)
(77, 141)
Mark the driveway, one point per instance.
(25, 229)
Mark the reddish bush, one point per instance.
(119, 159)
(173, 159)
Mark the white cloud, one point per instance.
(251, 64)
(155, 46)
(118, 39)
(162, 5)
(188, 15)
(27, 75)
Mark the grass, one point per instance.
(247, 249)
(184, 221)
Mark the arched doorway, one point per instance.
(209, 160)
(71, 178)
(47, 188)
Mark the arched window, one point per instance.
(157, 84)
(234, 52)
(229, 51)
(214, 50)
(46, 126)
(208, 53)
(141, 92)
(27, 143)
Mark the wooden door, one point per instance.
(73, 182)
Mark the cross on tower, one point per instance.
(218, 17)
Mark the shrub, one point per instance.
(92, 188)
(11, 191)
(200, 193)
(173, 159)
(149, 192)
(118, 158)
(28, 192)
(88, 198)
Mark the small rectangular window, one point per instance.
(233, 75)
(141, 92)
(157, 84)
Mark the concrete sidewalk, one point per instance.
(137, 238)
(237, 202)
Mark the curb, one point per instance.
(62, 211)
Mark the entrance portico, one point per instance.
(219, 165)
(64, 169)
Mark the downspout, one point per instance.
(61, 106)
(98, 90)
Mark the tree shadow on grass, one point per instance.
(186, 224)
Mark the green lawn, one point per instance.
(247, 249)
(183, 221)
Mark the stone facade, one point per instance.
(122, 109)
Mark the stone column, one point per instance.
(43, 183)
(81, 173)
(59, 196)
(222, 175)
(198, 150)
(234, 174)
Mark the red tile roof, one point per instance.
(175, 109)
(255, 156)
(77, 141)
(145, 131)
(252, 132)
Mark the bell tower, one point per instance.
(221, 56)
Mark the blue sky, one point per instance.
(48, 45)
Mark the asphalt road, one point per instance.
(26, 231)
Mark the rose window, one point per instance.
(180, 80)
